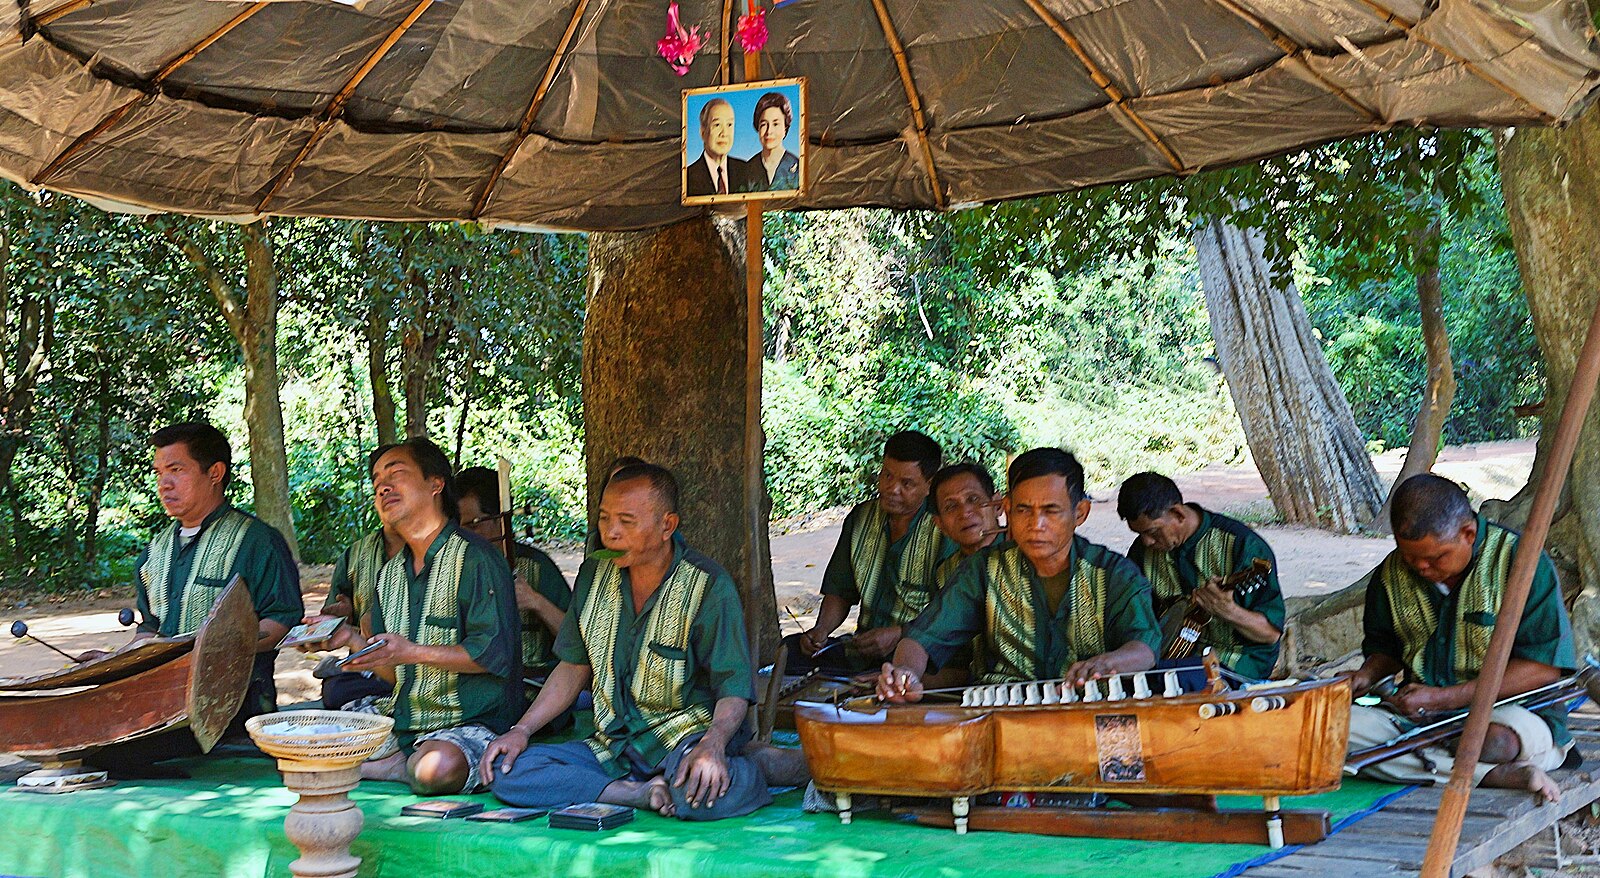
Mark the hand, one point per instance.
(527, 599)
(1092, 668)
(1413, 700)
(1213, 599)
(705, 771)
(336, 606)
(811, 641)
(506, 749)
(899, 685)
(879, 642)
(343, 637)
(396, 650)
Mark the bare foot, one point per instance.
(1523, 776)
(392, 768)
(781, 766)
(651, 794)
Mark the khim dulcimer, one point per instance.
(1181, 633)
(1123, 735)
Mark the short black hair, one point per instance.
(909, 446)
(661, 480)
(1147, 495)
(205, 444)
(482, 483)
(976, 470)
(433, 463)
(1039, 462)
(623, 462)
(1427, 505)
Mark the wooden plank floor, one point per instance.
(1392, 842)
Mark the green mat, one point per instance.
(228, 821)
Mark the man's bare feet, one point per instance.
(1523, 776)
(391, 768)
(782, 767)
(651, 794)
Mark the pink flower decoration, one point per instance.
(680, 44)
(751, 30)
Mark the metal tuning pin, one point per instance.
(1114, 690)
(1169, 682)
(1032, 694)
(1051, 694)
(1091, 690)
(1218, 709)
(1141, 685)
(1264, 703)
(1069, 695)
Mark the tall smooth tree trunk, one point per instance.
(1295, 418)
(663, 379)
(252, 315)
(377, 336)
(1439, 389)
(1551, 181)
(419, 354)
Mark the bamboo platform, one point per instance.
(1391, 843)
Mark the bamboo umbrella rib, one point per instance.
(1409, 27)
(331, 112)
(55, 12)
(1297, 54)
(1114, 94)
(724, 70)
(113, 118)
(910, 86)
(526, 124)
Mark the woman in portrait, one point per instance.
(773, 168)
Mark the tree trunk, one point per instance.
(419, 357)
(1551, 181)
(664, 379)
(102, 467)
(383, 410)
(1439, 391)
(1295, 418)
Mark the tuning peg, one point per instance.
(124, 617)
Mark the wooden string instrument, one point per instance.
(1181, 642)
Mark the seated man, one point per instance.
(1046, 604)
(350, 590)
(660, 632)
(187, 565)
(543, 595)
(444, 621)
(967, 511)
(1430, 610)
(591, 540)
(885, 560)
(1184, 550)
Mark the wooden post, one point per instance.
(754, 440)
(1453, 804)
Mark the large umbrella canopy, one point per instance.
(558, 113)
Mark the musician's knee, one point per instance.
(437, 768)
(1501, 744)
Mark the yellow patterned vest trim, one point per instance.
(213, 561)
(1214, 555)
(1479, 600)
(366, 561)
(538, 644)
(1010, 639)
(869, 558)
(661, 678)
(426, 698)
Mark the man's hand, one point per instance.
(1092, 668)
(528, 600)
(811, 641)
(878, 642)
(703, 774)
(337, 606)
(1414, 700)
(899, 685)
(343, 637)
(506, 748)
(396, 650)
(1214, 600)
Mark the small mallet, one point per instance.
(19, 630)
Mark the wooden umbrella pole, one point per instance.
(1453, 805)
(754, 478)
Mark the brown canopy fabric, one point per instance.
(559, 114)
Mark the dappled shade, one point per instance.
(559, 114)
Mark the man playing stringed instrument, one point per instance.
(1048, 603)
(967, 510)
(1430, 611)
(1185, 551)
(886, 558)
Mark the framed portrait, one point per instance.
(744, 142)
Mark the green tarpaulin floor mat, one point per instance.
(227, 820)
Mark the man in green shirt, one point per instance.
(1430, 611)
(444, 622)
(188, 564)
(1047, 604)
(885, 560)
(660, 633)
(1185, 550)
(967, 511)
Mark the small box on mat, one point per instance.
(591, 816)
(441, 809)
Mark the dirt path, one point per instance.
(1310, 561)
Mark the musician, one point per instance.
(543, 595)
(1184, 550)
(591, 540)
(1047, 603)
(1429, 613)
(350, 593)
(967, 511)
(886, 557)
(188, 564)
(660, 633)
(444, 617)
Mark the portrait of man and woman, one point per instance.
(744, 140)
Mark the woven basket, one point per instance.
(320, 738)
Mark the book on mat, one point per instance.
(441, 809)
(508, 815)
(592, 816)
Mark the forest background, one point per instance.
(976, 327)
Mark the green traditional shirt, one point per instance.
(997, 597)
(177, 587)
(1441, 639)
(892, 580)
(462, 596)
(660, 669)
(1218, 547)
(544, 577)
(355, 574)
(948, 567)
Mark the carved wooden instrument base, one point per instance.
(1141, 824)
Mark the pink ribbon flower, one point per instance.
(751, 31)
(680, 44)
